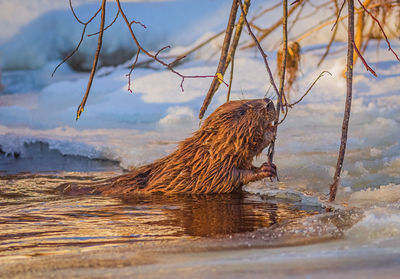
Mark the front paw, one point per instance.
(267, 170)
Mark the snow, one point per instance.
(36, 32)
(379, 224)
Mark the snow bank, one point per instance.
(377, 225)
(384, 194)
(43, 31)
(382, 215)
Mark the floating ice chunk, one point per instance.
(290, 195)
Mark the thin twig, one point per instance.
(272, 28)
(185, 54)
(263, 12)
(238, 32)
(235, 43)
(233, 46)
(138, 22)
(108, 26)
(96, 59)
(349, 93)
(317, 27)
(222, 59)
(85, 24)
(72, 53)
(359, 30)
(132, 68)
(76, 17)
(256, 27)
(380, 26)
(332, 39)
(297, 18)
(338, 15)
(164, 48)
(309, 89)
(281, 94)
(182, 56)
(363, 60)
(228, 95)
(154, 57)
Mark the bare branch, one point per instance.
(81, 107)
(138, 22)
(80, 21)
(72, 53)
(182, 56)
(132, 68)
(222, 59)
(328, 47)
(263, 12)
(309, 89)
(228, 95)
(154, 57)
(85, 24)
(349, 93)
(317, 27)
(232, 49)
(281, 94)
(108, 26)
(363, 60)
(338, 15)
(297, 18)
(164, 48)
(272, 28)
(185, 54)
(380, 26)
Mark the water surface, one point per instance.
(36, 220)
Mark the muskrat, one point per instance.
(217, 158)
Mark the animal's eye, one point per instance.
(241, 112)
(270, 105)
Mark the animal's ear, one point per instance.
(269, 103)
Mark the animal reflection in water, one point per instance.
(218, 215)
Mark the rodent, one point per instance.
(217, 158)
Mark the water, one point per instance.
(38, 223)
(35, 219)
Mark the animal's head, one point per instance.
(240, 128)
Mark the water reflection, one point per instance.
(35, 220)
(216, 215)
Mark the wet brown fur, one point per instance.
(217, 158)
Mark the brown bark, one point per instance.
(358, 39)
(223, 57)
(95, 60)
(281, 97)
(346, 118)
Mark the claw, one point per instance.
(266, 167)
(269, 169)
